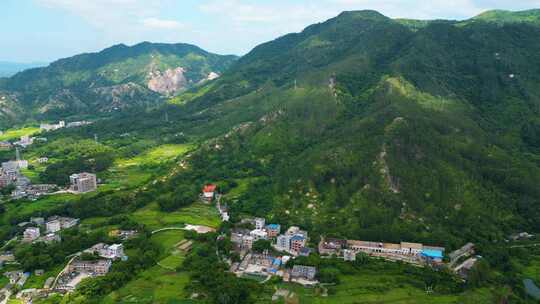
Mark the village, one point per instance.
(11, 175)
(288, 244)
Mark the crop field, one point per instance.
(17, 133)
(159, 284)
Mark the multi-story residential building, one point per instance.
(273, 230)
(297, 242)
(98, 267)
(330, 246)
(283, 242)
(259, 234)
(114, 251)
(83, 182)
(303, 272)
(53, 226)
(247, 241)
(30, 234)
(56, 223)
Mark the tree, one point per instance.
(329, 275)
(261, 245)
(479, 275)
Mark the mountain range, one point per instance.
(115, 78)
(361, 126)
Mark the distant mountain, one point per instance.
(115, 78)
(8, 69)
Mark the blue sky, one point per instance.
(45, 30)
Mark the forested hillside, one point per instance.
(364, 126)
(116, 78)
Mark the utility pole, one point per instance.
(166, 116)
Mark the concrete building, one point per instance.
(259, 223)
(297, 242)
(330, 246)
(273, 230)
(283, 242)
(98, 268)
(247, 241)
(258, 234)
(349, 255)
(56, 223)
(83, 182)
(303, 272)
(30, 234)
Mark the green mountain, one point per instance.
(365, 127)
(503, 17)
(115, 78)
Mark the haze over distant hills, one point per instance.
(8, 69)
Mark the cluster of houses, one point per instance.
(45, 127)
(10, 174)
(49, 227)
(290, 244)
(79, 268)
(414, 253)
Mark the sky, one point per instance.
(46, 30)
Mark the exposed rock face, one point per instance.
(168, 82)
(212, 76)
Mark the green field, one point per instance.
(17, 133)
(380, 288)
(196, 214)
(135, 171)
(155, 285)
(154, 156)
(159, 284)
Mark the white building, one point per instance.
(56, 223)
(114, 251)
(83, 182)
(259, 234)
(43, 160)
(30, 234)
(349, 255)
(259, 223)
